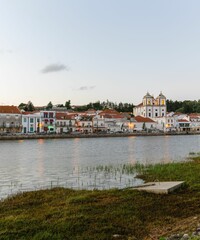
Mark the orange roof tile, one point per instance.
(61, 116)
(183, 120)
(27, 113)
(9, 109)
(143, 119)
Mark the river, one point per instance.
(85, 163)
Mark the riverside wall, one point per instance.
(62, 136)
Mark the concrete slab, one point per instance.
(160, 187)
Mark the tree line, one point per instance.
(121, 107)
(29, 107)
(186, 106)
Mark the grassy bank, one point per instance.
(110, 214)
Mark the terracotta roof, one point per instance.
(143, 119)
(107, 115)
(27, 113)
(109, 111)
(183, 120)
(62, 116)
(9, 109)
(194, 115)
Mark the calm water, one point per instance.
(82, 163)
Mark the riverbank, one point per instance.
(110, 214)
(100, 135)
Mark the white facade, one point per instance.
(99, 124)
(39, 122)
(31, 123)
(65, 125)
(173, 122)
(84, 124)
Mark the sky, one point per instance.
(94, 50)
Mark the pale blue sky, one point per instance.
(89, 50)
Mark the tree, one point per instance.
(29, 107)
(68, 104)
(60, 105)
(144, 126)
(49, 106)
(22, 106)
(97, 105)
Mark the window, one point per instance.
(51, 115)
(156, 114)
(45, 115)
(25, 120)
(31, 120)
(149, 114)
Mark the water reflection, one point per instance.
(32, 164)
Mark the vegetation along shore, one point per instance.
(109, 214)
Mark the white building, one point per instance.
(173, 122)
(151, 107)
(38, 122)
(84, 124)
(31, 122)
(113, 121)
(99, 124)
(65, 123)
(144, 123)
(195, 121)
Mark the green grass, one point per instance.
(68, 214)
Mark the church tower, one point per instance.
(151, 107)
(148, 100)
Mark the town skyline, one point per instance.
(89, 51)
